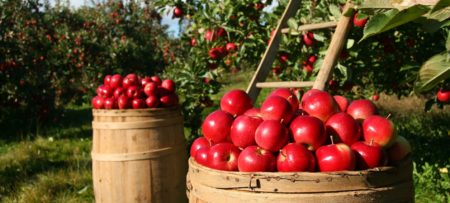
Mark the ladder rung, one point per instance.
(288, 84)
(315, 26)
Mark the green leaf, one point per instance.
(292, 23)
(433, 71)
(335, 11)
(393, 18)
(447, 43)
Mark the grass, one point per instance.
(52, 164)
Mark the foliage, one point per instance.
(50, 56)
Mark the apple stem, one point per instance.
(371, 142)
(389, 115)
(281, 121)
(332, 140)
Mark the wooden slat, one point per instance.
(288, 84)
(271, 52)
(337, 43)
(315, 26)
(371, 4)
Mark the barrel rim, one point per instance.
(405, 161)
(133, 112)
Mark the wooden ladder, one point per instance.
(337, 42)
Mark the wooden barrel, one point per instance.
(384, 184)
(139, 156)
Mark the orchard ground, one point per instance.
(52, 163)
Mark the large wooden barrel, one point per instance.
(139, 156)
(385, 184)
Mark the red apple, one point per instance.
(320, 104)
(119, 92)
(231, 47)
(277, 108)
(116, 81)
(221, 32)
(193, 42)
(375, 97)
(253, 112)
(151, 88)
(236, 102)
(288, 95)
(130, 80)
(105, 91)
(243, 130)
(256, 159)
(308, 39)
(123, 102)
(178, 12)
(380, 130)
(342, 102)
(312, 59)
(308, 130)
(443, 95)
(169, 100)
(308, 94)
(138, 103)
(214, 53)
(133, 92)
(223, 156)
(271, 135)
(107, 80)
(359, 22)
(344, 128)
(110, 103)
(152, 101)
(199, 143)
(156, 80)
(368, 155)
(98, 102)
(361, 109)
(399, 150)
(335, 157)
(201, 156)
(284, 57)
(209, 35)
(294, 157)
(217, 125)
(169, 85)
(145, 81)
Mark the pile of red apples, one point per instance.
(320, 132)
(135, 92)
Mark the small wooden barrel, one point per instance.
(385, 184)
(139, 156)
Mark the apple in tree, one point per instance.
(320, 104)
(312, 59)
(375, 97)
(201, 156)
(178, 12)
(308, 39)
(223, 156)
(368, 155)
(116, 81)
(380, 130)
(342, 102)
(288, 95)
(256, 159)
(231, 47)
(277, 108)
(361, 109)
(294, 157)
(271, 135)
(344, 128)
(308, 130)
(236, 102)
(359, 22)
(199, 143)
(284, 57)
(443, 95)
(209, 35)
(217, 125)
(335, 157)
(243, 130)
(399, 150)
